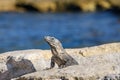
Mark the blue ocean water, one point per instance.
(19, 31)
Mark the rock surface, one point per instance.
(17, 63)
(16, 68)
(57, 5)
(93, 67)
(94, 63)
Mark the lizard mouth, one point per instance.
(48, 38)
(45, 38)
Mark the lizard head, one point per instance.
(52, 41)
(55, 45)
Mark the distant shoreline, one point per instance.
(57, 5)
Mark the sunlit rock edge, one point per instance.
(94, 64)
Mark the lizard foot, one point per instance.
(47, 68)
(62, 66)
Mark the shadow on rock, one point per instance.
(16, 68)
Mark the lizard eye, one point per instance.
(52, 38)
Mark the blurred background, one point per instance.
(76, 23)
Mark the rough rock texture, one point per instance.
(57, 5)
(94, 63)
(93, 67)
(16, 68)
(17, 63)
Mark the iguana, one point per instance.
(59, 55)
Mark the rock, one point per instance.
(86, 6)
(89, 68)
(44, 6)
(17, 63)
(104, 4)
(101, 49)
(94, 62)
(111, 77)
(57, 5)
(6, 5)
(115, 3)
(16, 68)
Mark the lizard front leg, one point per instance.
(52, 63)
(62, 66)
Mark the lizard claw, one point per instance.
(47, 68)
(62, 66)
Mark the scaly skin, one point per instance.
(59, 55)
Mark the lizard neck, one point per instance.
(57, 50)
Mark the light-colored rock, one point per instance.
(86, 5)
(35, 56)
(20, 62)
(105, 4)
(89, 68)
(6, 5)
(44, 6)
(97, 60)
(111, 77)
(101, 49)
